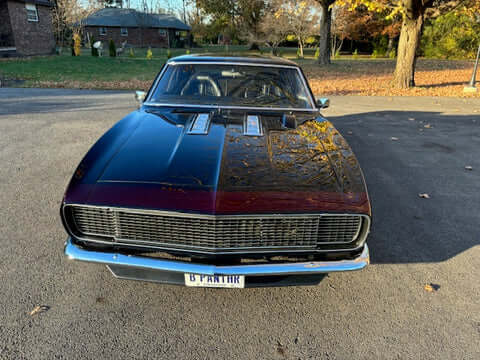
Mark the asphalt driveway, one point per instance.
(406, 146)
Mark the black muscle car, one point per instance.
(226, 176)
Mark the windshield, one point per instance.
(232, 85)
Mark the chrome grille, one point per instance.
(211, 233)
(94, 221)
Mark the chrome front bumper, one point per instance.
(144, 263)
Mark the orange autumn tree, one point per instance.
(413, 14)
(361, 25)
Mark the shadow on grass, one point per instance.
(453, 83)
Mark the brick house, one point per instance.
(136, 28)
(26, 28)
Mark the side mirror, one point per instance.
(140, 96)
(323, 103)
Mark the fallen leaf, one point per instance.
(393, 138)
(411, 119)
(424, 196)
(39, 309)
(245, 163)
(468, 167)
(428, 126)
(431, 287)
(281, 349)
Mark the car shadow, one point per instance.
(404, 154)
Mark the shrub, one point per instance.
(355, 54)
(451, 36)
(317, 53)
(392, 54)
(149, 54)
(380, 45)
(254, 47)
(311, 40)
(374, 54)
(187, 52)
(131, 53)
(298, 53)
(112, 49)
(169, 54)
(76, 45)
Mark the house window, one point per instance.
(162, 32)
(102, 31)
(32, 14)
(124, 31)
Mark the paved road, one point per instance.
(381, 312)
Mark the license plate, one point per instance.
(219, 281)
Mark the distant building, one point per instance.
(26, 27)
(137, 28)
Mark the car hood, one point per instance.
(299, 163)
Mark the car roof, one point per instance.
(227, 58)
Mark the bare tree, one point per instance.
(69, 17)
(274, 26)
(302, 20)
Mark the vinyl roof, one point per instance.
(132, 18)
(242, 58)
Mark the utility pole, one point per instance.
(184, 13)
(472, 84)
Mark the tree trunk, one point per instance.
(300, 45)
(325, 33)
(409, 42)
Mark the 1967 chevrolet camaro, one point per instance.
(226, 176)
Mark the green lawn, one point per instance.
(82, 68)
(86, 69)
(360, 76)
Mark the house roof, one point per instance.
(37, 2)
(132, 18)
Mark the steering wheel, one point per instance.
(243, 86)
(205, 78)
(268, 81)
